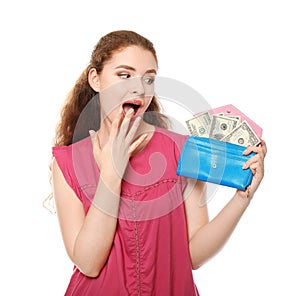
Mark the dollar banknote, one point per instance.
(199, 125)
(227, 128)
(238, 118)
(242, 135)
(221, 126)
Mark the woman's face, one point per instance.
(127, 80)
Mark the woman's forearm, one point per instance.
(94, 241)
(210, 238)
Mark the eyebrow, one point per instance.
(133, 69)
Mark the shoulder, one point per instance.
(67, 152)
(68, 158)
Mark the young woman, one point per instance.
(130, 225)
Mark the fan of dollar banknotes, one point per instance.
(224, 126)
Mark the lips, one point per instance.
(132, 104)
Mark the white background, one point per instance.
(241, 52)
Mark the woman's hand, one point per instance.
(256, 164)
(112, 158)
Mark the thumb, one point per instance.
(95, 145)
(92, 134)
(95, 139)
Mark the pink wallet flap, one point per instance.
(231, 110)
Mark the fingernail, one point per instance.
(131, 110)
(91, 132)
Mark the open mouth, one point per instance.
(135, 105)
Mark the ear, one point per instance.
(94, 80)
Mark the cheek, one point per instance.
(149, 90)
(112, 96)
(147, 102)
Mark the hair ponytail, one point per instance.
(76, 101)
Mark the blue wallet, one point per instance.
(215, 161)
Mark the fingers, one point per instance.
(125, 124)
(136, 144)
(250, 149)
(264, 147)
(121, 128)
(121, 124)
(116, 124)
(255, 163)
(131, 133)
(254, 167)
(257, 149)
(258, 158)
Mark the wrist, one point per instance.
(107, 197)
(243, 197)
(112, 183)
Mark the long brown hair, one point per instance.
(82, 93)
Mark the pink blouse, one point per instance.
(150, 253)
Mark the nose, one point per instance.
(137, 86)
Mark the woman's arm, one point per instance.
(209, 239)
(206, 239)
(87, 239)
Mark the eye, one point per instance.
(149, 80)
(124, 75)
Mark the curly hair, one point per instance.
(68, 130)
